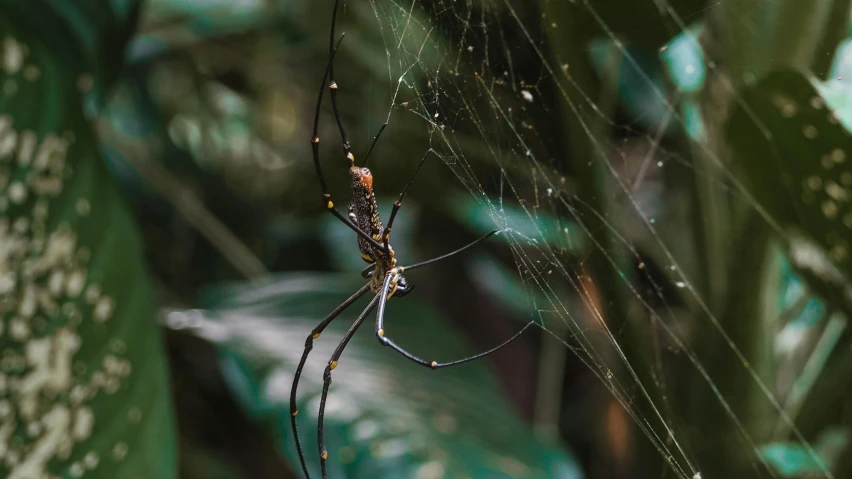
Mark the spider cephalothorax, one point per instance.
(385, 275)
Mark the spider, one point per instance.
(385, 275)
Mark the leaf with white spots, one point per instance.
(797, 158)
(82, 360)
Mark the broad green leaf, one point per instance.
(796, 156)
(386, 417)
(83, 385)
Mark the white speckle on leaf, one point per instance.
(13, 56)
(93, 292)
(814, 182)
(134, 414)
(836, 191)
(26, 147)
(8, 140)
(91, 460)
(19, 330)
(76, 281)
(83, 207)
(84, 420)
(119, 451)
(103, 309)
(810, 132)
(17, 192)
(829, 209)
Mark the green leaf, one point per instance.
(796, 156)
(792, 460)
(528, 224)
(83, 385)
(386, 417)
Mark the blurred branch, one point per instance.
(189, 206)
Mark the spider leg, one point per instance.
(450, 254)
(398, 202)
(368, 271)
(332, 363)
(326, 196)
(373, 145)
(309, 345)
(332, 86)
(380, 334)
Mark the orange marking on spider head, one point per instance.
(366, 178)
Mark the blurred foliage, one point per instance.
(385, 417)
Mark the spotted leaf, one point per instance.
(83, 389)
(797, 157)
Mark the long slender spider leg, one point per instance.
(373, 145)
(448, 255)
(326, 196)
(309, 345)
(380, 334)
(332, 86)
(368, 271)
(398, 202)
(332, 363)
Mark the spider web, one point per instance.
(461, 70)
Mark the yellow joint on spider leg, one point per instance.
(316, 139)
(333, 85)
(434, 364)
(316, 335)
(350, 157)
(329, 205)
(324, 456)
(382, 332)
(332, 365)
(295, 413)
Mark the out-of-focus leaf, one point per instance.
(792, 460)
(386, 417)
(796, 157)
(639, 79)
(478, 216)
(684, 60)
(85, 390)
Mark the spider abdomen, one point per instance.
(364, 212)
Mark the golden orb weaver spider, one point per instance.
(385, 276)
